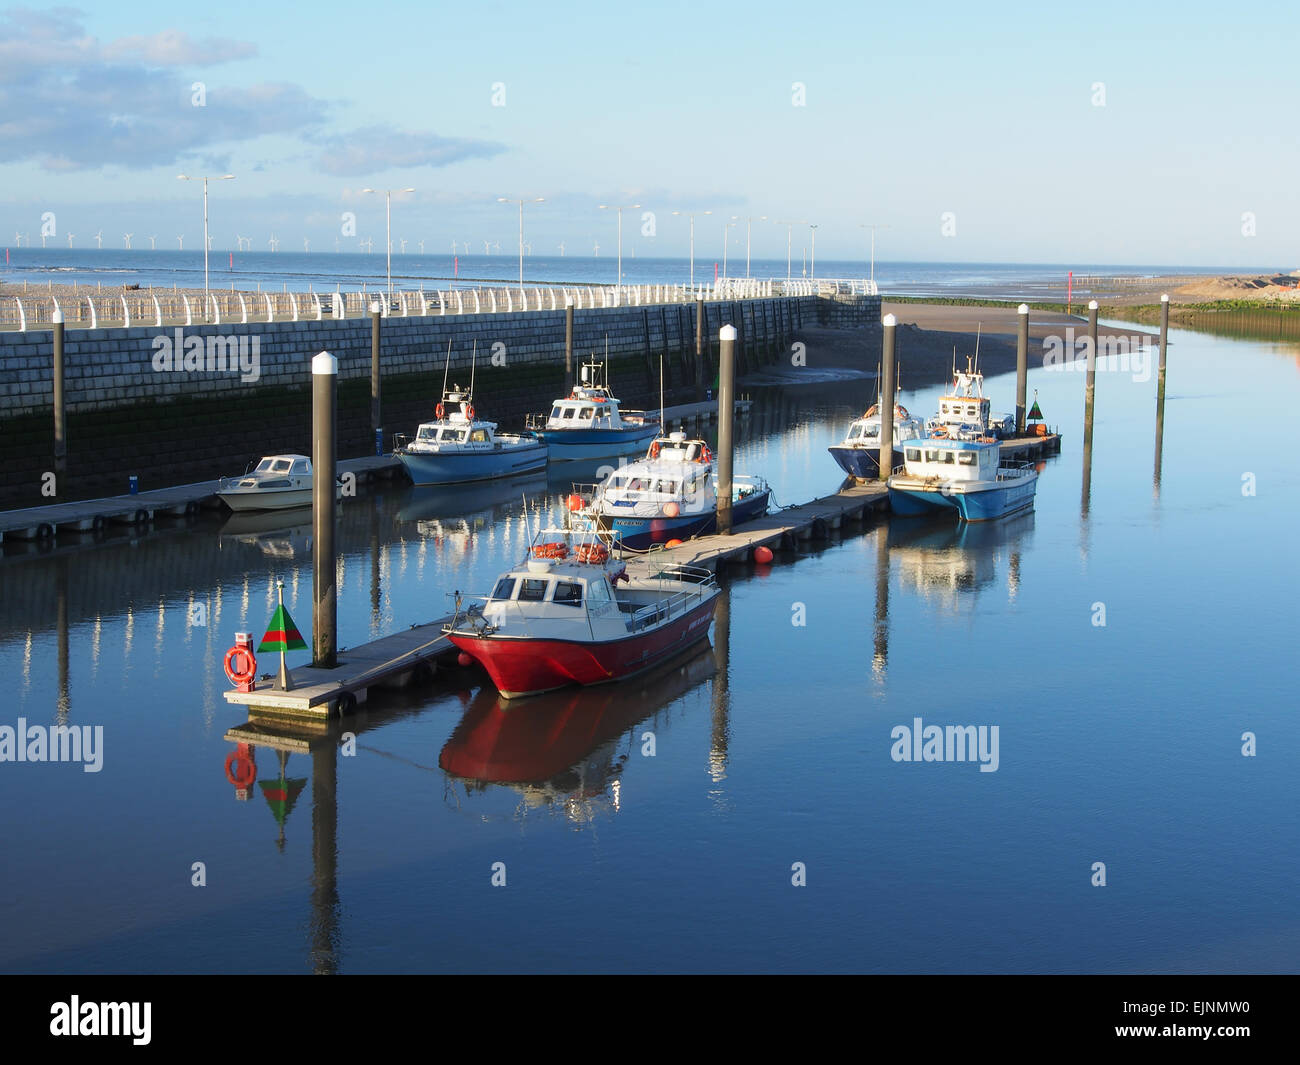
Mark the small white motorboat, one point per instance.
(276, 483)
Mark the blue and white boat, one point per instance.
(859, 452)
(457, 447)
(671, 494)
(965, 412)
(967, 476)
(589, 422)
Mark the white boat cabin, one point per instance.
(865, 431)
(675, 470)
(456, 427)
(590, 405)
(952, 460)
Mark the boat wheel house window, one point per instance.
(966, 458)
(533, 591)
(913, 454)
(505, 588)
(567, 593)
(479, 436)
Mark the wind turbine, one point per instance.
(421, 245)
(274, 242)
(561, 249)
(42, 240)
(70, 236)
(180, 240)
(99, 239)
(18, 238)
(127, 237)
(496, 246)
(454, 246)
(403, 243)
(595, 249)
(487, 247)
(336, 244)
(153, 246)
(368, 244)
(528, 247)
(306, 244)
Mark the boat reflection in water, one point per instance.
(952, 564)
(565, 750)
(279, 534)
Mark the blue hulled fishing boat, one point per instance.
(589, 422)
(967, 476)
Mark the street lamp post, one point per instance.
(620, 209)
(507, 199)
(873, 228)
(726, 240)
(789, 231)
(812, 266)
(205, 180)
(388, 239)
(691, 215)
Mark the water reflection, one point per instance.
(951, 564)
(565, 751)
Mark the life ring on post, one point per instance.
(706, 456)
(469, 411)
(439, 411)
(246, 670)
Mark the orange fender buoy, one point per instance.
(763, 555)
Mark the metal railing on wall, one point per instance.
(35, 310)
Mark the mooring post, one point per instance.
(376, 412)
(1160, 385)
(890, 324)
(60, 412)
(726, 416)
(699, 348)
(568, 344)
(1089, 394)
(1022, 367)
(324, 404)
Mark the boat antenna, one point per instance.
(879, 394)
(446, 369)
(473, 363)
(978, 326)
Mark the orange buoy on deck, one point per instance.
(673, 543)
(575, 503)
(763, 555)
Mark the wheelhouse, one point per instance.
(952, 460)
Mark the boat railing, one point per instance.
(535, 422)
(400, 442)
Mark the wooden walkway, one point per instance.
(390, 662)
(140, 510)
(794, 525)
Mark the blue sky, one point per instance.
(1118, 133)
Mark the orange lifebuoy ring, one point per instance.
(440, 411)
(594, 553)
(241, 676)
(705, 454)
(553, 550)
(654, 450)
(246, 766)
(469, 411)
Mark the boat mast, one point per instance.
(446, 369)
(472, 366)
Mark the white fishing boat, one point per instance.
(965, 412)
(858, 454)
(590, 421)
(277, 483)
(570, 613)
(967, 476)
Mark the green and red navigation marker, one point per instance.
(282, 635)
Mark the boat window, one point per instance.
(505, 588)
(281, 466)
(533, 591)
(932, 456)
(913, 454)
(943, 407)
(870, 432)
(264, 466)
(970, 411)
(966, 458)
(599, 591)
(587, 412)
(946, 456)
(569, 412)
(670, 487)
(300, 467)
(479, 436)
(567, 593)
(555, 412)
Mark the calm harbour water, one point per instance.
(1120, 744)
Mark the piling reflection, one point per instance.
(880, 634)
(952, 564)
(565, 751)
(283, 535)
